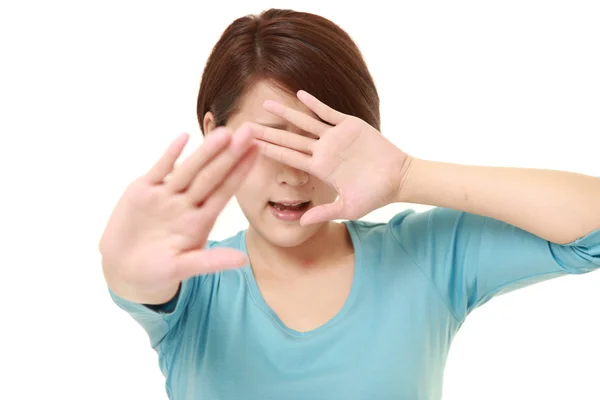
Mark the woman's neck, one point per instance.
(327, 246)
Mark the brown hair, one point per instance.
(293, 50)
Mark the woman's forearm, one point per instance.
(555, 205)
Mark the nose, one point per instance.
(291, 176)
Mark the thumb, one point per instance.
(205, 261)
(322, 213)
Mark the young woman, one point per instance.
(299, 306)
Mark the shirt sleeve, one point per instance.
(159, 320)
(470, 258)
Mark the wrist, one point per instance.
(407, 190)
(435, 183)
(136, 294)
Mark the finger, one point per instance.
(286, 156)
(221, 196)
(184, 175)
(298, 118)
(210, 177)
(322, 213)
(324, 112)
(165, 164)
(205, 261)
(287, 139)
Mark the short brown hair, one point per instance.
(293, 50)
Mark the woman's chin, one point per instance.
(286, 234)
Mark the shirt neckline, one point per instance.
(258, 299)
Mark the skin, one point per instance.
(347, 156)
(304, 272)
(368, 172)
(156, 235)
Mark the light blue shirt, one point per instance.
(417, 278)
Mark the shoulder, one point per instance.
(410, 222)
(235, 241)
(418, 233)
(385, 237)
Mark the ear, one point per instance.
(208, 124)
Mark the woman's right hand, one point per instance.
(157, 233)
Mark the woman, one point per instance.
(298, 305)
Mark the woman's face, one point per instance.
(272, 191)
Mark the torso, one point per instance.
(368, 326)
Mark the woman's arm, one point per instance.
(555, 205)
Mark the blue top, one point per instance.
(416, 279)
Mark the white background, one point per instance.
(92, 92)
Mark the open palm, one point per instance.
(363, 166)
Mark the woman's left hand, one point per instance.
(364, 167)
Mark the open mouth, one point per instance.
(289, 212)
(290, 207)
